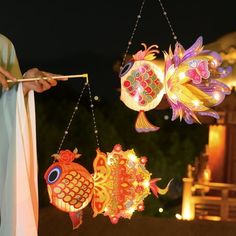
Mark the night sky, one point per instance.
(73, 37)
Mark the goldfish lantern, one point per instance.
(189, 81)
(70, 185)
(117, 188)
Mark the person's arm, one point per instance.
(38, 86)
(3, 75)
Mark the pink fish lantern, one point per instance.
(189, 82)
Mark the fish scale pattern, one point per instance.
(143, 84)
(74, 189)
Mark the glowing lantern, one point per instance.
(117, 188)
(70, 185)
(189, 81)
(142, 85)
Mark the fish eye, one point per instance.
(126, 68)
(54, 175)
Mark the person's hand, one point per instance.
(39, 85)
(3, 75)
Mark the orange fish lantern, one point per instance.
(189, 81)
(70, 185)
(116, 189)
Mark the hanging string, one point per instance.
(136, 25)
(168, 21)
(93, 115)
(66, 132)
(132, 35)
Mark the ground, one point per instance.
(56, 223)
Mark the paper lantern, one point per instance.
(189, 81)
(117, 188)
(70, 185)
(142, 85)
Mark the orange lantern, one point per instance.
(70, 185)
(117, 188)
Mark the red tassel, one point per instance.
(76, 219)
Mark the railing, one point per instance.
(211, 201)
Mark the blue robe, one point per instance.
(18, 159)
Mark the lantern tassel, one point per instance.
(142, 125)
(76, 219)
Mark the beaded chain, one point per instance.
(136, 25)
(168, 21)
(132, 34)
(76, 108)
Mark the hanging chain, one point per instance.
(132, 35)
(168, 21)
(136, 25)
(93, 115)
(66, 132)
(72, 117)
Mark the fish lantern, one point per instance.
(142, 85)
(70, 185)
(116, 189)
(189, 82)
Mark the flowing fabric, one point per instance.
(18, 159)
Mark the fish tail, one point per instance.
(142, 125)
(155, 189)
(76, 219)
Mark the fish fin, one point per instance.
(142, 125)
(155, 189)
(76, 219)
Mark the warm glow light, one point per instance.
(143, 160)
(178, 216)
(160, 210)
(187, 204)
(182, 75)
(216, 151)
(109, 159)
(207, 175)
(187, 214)
(131, 210)
(214, 63)
(136, 98)
(196, 103)
(140, 207)
(174, 97)
(216, 96)
(132, 157)
(146, 183)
